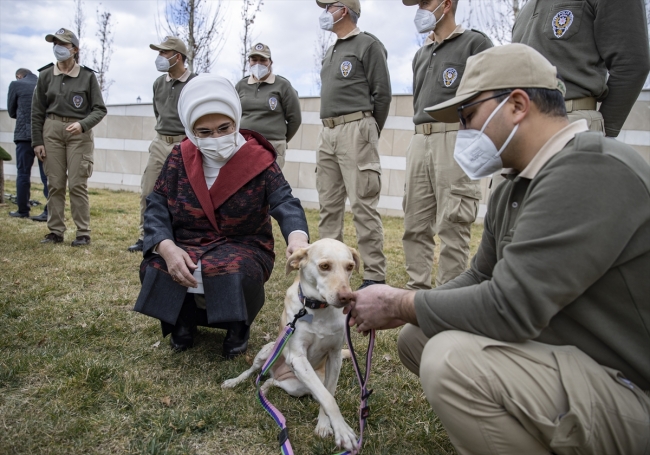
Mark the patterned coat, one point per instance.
(227, 227)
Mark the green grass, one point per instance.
(80, 373)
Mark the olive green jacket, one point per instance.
(76, 96)
(166, 92)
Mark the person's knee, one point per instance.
(410, 344)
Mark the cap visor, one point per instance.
(51, 38)
(323, 3)
(411, 2)
(157, 47)
(261, 54)
(447, 112)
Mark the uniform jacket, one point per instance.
(166, 92)
(227, 227)
(564, 260)
(19, 105)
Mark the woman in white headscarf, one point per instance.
(208, 246)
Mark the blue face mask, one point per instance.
(425, 20)
(61, 53)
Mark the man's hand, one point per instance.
(74, 128)
(179, 263)
(296, 241)
(380, 307)
(39, 151)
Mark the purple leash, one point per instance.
(280, 343)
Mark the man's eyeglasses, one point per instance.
(463, 120)
(204, 133)
(327, 8)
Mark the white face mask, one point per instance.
(162, 63)
(259, 71)
(219, 148)
(425, 20)
(327, 20)
(61, 53)
(475, 152)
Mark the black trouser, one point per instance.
(192, 316)
(24, 161)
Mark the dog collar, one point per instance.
(310, 303)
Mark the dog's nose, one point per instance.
(344, 296)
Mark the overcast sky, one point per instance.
(289, 27)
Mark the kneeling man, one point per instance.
(543, 345)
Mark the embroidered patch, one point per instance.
(60, 32)
(167, 38)
(259, 47)
(561, 23)
(346, 68)
(273, 103)
(77, 100)
(449, 76)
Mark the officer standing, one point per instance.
(600, 49)
(355, 99)
(67, 104)
(439, 197)
(19, 106)
(172, 55)
(269, 102)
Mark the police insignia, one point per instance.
(60, 32)
(346, 67)
(561, 23)
(273, 103)
(259, 47)
(449, 76)
(77, 100)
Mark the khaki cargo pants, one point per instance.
(527, 398)
(347, 164)
(69, 159)
(438, 199)
(281, 148)
(159, 150)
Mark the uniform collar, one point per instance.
(269, 80)
(552, 147)
(183, 78)
(73, 73)
(432, 39)
(354, 32)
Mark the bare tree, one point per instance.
(321, 45)
(102, 56)
(199, 23)
(495, 18)
(249, 11)
(79, 24)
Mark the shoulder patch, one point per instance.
(46, 67)
(88, 69)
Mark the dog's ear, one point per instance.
(357, 259)
(296, 259)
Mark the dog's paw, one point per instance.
(345, 437)
(230, 383)
(324, 427)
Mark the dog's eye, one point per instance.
(350, 267)
(325, 266)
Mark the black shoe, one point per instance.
(19, 215)
(137, 246)
(81, 240)
(42, 217)
(236, 341)
(52, 238)
(367, 283)
(182, 337)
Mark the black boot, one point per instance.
(182, 335)
(236, 341)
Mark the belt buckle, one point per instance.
(329, 122)
(169, 140)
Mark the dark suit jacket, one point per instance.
(19, 105)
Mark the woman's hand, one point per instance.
(296, 241)
(179, 263)
(74, 128)
(39, 150)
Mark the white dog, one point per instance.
(311, 360)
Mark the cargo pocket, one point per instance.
(463, 202)
(86, 167)
(368, 180)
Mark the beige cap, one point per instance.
(354, 5)
(171, 43)
(411, 2)
(260, 49)
(65, 36)
(501, 67)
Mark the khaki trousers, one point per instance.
(69, 159)
(281, 148)
(528, 398)
(438, 199)
(348, 165)
(159, 150)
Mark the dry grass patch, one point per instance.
(80, 373)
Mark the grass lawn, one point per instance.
(80, 373)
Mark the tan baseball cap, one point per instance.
(354, 5)
(171, 43)
(260, 49)
(411, 2)
(501, 67)
(65, 36)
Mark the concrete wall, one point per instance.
(122, 141)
